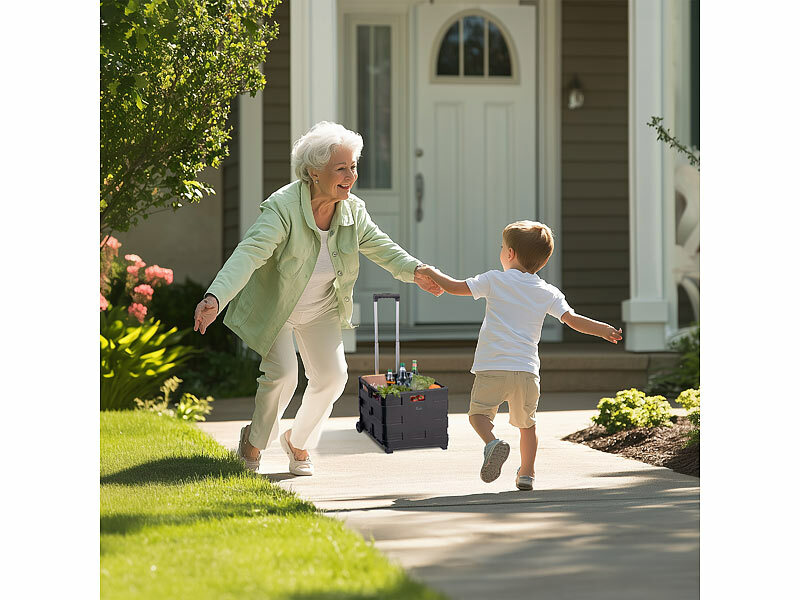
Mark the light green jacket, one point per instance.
(269, 269)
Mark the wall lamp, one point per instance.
(575, 96)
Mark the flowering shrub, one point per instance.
(632, 408)
(690, 400)
(128, 280)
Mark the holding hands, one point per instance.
(422, 277)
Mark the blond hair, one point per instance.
(531, 241)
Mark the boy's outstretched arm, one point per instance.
(591, 327)
(457, 287)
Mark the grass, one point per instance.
(180, 517)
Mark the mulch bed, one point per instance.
(659, 446)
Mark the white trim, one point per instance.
(647, 312)
(352, 14)
(549, 154)
(313, 64)
(251, 159)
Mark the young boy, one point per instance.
(506, 364)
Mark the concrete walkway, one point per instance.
(596, 525)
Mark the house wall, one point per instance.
(277, 136)
(187, 241)
(595, 236)
(230, 185)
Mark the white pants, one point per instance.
(319, 339)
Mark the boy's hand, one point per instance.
(427, 270)
(611, 334)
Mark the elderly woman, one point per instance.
(294, 272)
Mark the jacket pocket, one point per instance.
(241, 307)
(290, 264)
(348, 249)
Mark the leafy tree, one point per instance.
(169, 70)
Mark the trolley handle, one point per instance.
(396, 298)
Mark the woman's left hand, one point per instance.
(427, 284)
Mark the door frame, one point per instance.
(548, 127)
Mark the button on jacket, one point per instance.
(266, 274)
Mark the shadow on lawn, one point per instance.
(175, 470)
(129, 523)
(405, 589)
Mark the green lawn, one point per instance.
(180, 517)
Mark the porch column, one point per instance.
(251, 160)
(314, 78)
(646, 313)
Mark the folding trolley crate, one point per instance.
(413, 419)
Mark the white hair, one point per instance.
(313, 150)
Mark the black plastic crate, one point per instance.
(414, 419)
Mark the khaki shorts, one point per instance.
(519, 388)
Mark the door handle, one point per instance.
(419, 188)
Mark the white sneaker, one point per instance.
(524, 482)
(296, 467)
(251, 464)
(495, 454)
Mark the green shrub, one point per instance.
(690, 400)
(160, 404)
(222, 374)
(687, 374)
(632, 408)
(192, 408)
(136, 360)
(175, 305)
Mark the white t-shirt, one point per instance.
(516, 305)
(319, 293)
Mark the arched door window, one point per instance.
(474, 47)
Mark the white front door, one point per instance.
(475, 141)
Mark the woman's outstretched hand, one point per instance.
(205, 313)
(426, 283)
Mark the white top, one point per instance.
(516, 305)
(319, 292)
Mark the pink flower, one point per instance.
(133, 270)
(144, 290)
(112, 242)
(135, 258)
(139, 311)
(154, 273)
(103, 302)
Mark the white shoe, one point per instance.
(524, 482)
(251, 464)
(296, 467)
(495, 454)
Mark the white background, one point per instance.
(49, 240)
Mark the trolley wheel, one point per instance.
(359, 427)
(388, 451)
(444, 447)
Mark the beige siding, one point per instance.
(186, 241)
(595, 237)
(277, 142)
